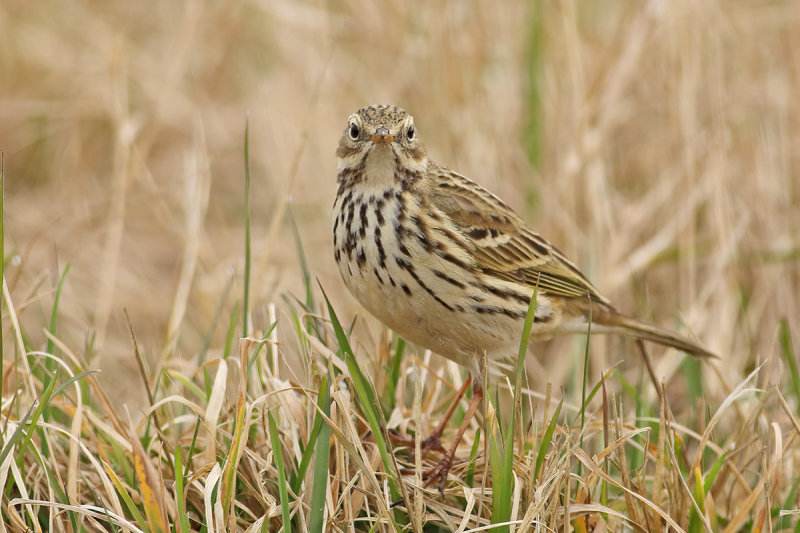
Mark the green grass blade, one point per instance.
(322, 456)
(473, 454)
(54, 317)
(278, 454)
(246, 297)
(311, 304)
(712, 474)
(71, 380)
(25, 437)
(606, 442)
(523, 343)
(308, 453)
(495, 436)
(635, 457)
(787, 351)
(192, 447)
(114, 527)
(238, 441)
(186, 382)
(547, 438)
(692, 370)
(698, 493)
(367, 399)
(230, 334)
(341, 337)
(504, 485)
(260, 345)
(394, 371)
(585, 377)
(595, 390)
(18, 434)
(177, 466)
(784, 523)
(43, 403)
(532, 129)
(126, 498)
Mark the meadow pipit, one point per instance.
(448, 265)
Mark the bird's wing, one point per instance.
(503, 246)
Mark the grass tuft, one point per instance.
(321, 458)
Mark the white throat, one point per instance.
(380, 166)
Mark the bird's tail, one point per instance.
(613, 321)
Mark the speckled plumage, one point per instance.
(445, 263)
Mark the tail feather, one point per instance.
(632, 327)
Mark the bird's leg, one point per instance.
(434, 442)
(443, 467)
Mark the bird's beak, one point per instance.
(381, 136)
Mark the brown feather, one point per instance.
(511, 251)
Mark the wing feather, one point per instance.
(501, 243)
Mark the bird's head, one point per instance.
(381, 132)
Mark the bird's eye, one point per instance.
(411, 132)
(354, 131)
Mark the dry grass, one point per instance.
(658, 144)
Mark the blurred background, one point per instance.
(656, 143)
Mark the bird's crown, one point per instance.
(383, 115)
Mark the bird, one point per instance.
(448, 265)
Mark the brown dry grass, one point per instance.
(668, 168)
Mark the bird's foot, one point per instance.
(438, 472)
(432, 443)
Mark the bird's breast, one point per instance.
(405, 265)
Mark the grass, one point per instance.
(317, 458)
(160, 374)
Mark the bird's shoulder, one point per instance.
(502, 244)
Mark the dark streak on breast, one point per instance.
(494, 309)
(505, 294)
(448, 279)
(452, 259)
(379, 246)
(405, 265)
(379, 211)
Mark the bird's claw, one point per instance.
(438, 472)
